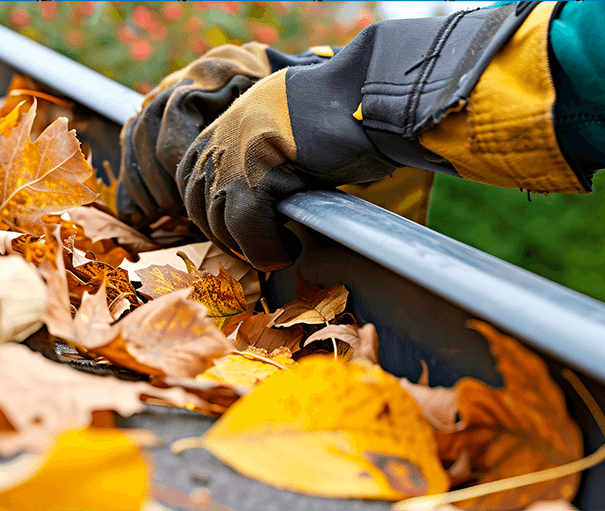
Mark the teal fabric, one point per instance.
(578, 45)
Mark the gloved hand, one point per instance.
(174, 114)
(375, 106)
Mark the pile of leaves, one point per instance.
(302, 400)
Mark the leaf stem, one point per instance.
(430, 502)
(259, 357)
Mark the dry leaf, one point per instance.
(6, 239)
(243, 369)
(249, 329)
(94, 469)
(41, 177)
(363, 340)
(313, 305)
(521, 428)
(221, 294)
(41, 397)
(94, 273)
(100, 226)
(168, 336)
(23, 299)
(334, 429)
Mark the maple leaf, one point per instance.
(40, 177)
(221, 294)
(330, 428)
(168, 336)
(313, 305)
(41, 397)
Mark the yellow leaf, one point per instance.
(334, 429)
(313, 305)
(243, 369)
(41, 177)
(92, 469)
(221, 294)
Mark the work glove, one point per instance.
(176, 111)
(384, 101)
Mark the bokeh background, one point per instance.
(560, 237)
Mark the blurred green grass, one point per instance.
(559, 237)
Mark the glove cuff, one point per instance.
(509, 124)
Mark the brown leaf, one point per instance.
(168, 336)
(41, 397)
(41, 177)
(94, 273)
(221, 294)
(249, 329)
(313, 305)
(363, 340)
(100, 226)
(514, 430)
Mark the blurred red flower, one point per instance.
(364, 18)
(230, 7)
(20, 17)
(86, 8)
(194, 25)
(74, 38)
(141, 50)
(49, 10)
(172, 11)
(197, 44)
(142, 16)
(125, 34)
(265, 34)
(157, 31)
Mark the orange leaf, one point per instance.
(167, 336)
(520, 428)
(313, 305)
(40, 177)
(221, 294)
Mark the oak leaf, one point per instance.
(520, 428)
(168, 336)
(334, 429)
(41, 177)
(313, 305)
(221, 294)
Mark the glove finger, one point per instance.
(257, 228)
(131, 178)
(128, 211)
(143, 140)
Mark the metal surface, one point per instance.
(94, 90)
(554, 318)
(418, 287)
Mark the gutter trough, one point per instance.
(417, 286)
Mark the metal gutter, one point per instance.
(562, 322)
